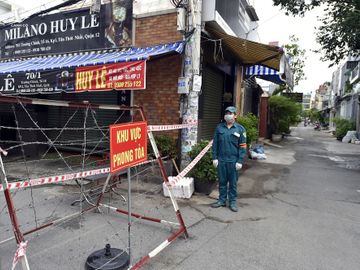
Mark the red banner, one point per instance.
(128, 145)
(120, 76)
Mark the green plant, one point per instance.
(204, 169)
(342, 127)
(166, 146)
(348, 87)
(337, 33)
(297, 55)
(283, 113)
(250, 123)
(281, 88)
(314, 115)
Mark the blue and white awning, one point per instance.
(88, 59)
(264, 73)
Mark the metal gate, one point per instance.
(210, 102)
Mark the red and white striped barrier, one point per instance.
(170, 127)
(60, 103)
(73, 176)
(158, 249)
(54, 179)
(62, 178)
(191, 165)
(2, 151)
(20, 252)
(157, 220)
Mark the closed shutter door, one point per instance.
(59, 116)
(210, 102)
(7, 119)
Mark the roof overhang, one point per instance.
(249, 52)
(88, 58)
(80, 72)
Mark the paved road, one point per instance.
(299, 209)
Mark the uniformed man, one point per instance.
(229, 149)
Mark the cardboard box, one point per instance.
(184, 188)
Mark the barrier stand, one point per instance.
(20, 254)
(181, 230)
(5, 184)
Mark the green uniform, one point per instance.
(229, 147)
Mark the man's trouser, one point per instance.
(227, 174)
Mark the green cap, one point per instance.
(231, 109)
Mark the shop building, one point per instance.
(227, 49)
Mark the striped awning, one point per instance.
(264, 73)
(89, 58)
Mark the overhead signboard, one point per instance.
(128, 145)
(119, 76)
(69, 31)
(129, 75)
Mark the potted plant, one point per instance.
(167, 148)
(204, 173)
(283, 113)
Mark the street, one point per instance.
(299, 209)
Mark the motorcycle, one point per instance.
(317, 126)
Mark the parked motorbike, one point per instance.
(317, 126)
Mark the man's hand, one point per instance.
(215, 163)
(238, 166)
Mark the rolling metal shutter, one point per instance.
(210, 102)
(58, 116)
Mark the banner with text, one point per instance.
(128, 145)
(69, 31)
(120, 76)
(52, 81)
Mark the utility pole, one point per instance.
(190, 104)
(358, 116)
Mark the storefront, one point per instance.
(227, 80)
(72, 56)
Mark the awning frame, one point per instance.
(88, 58)
(249, 52)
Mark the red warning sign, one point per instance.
(128, 145)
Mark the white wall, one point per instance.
(208, 10)
(149, 6)
(140, 6)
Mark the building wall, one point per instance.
(306, 102)
(151, 6)
(160, 99)
(264, 117)
(231, 16)
(156, 29)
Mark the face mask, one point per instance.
(229, 118)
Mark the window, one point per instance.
(242, 11)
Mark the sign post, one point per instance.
(128, 147)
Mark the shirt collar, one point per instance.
(234, 125)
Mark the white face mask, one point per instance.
(229, 118)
